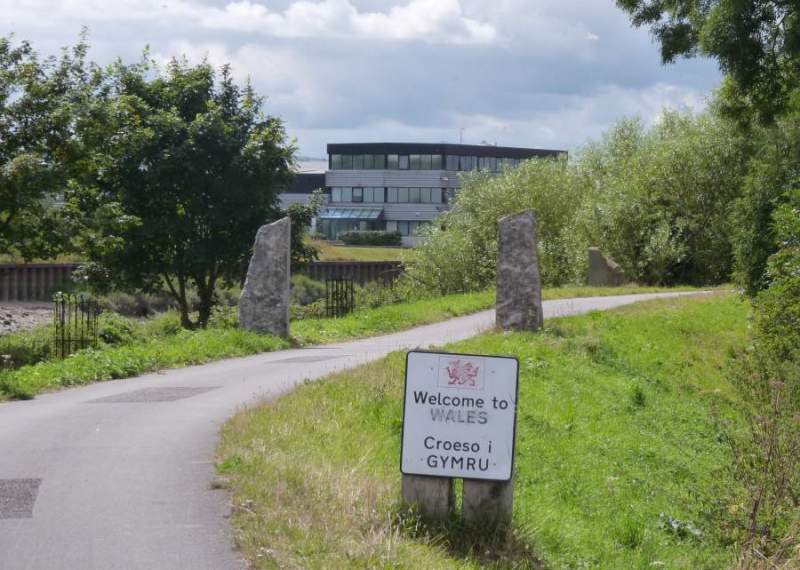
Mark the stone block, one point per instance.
(519, 284)
(604, 272)
(264, 304)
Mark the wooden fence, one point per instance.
(362, 272)
(33, 281)
(38, 281)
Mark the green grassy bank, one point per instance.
(622, 454)
(138, 348)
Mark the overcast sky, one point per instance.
(537, 73)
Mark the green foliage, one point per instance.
(657, 201)
(662, 201)
(371, 238)
(38, 100)
(459, 252)
(756, 43)
(193, 172)
(600, 482)
(26, 347)
(301, 216)
(305, 290)
(114, 329)
(185, 348)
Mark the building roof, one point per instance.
(441, 148)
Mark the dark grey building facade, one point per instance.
(398, 186)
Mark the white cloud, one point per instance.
(431, 21)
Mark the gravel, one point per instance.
(23, 316)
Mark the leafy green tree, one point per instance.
(189, 171)
(37, 144)
(756, 42)
(301, 216)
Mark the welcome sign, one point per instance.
(459, 415)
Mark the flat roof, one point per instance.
(441, 148)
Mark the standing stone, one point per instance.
(519, 285)
(604, 272)
(264, 304)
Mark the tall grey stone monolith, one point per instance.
(264, 304)
(519, 285)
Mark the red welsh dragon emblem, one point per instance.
(462, 374)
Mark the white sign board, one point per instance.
(459, 415)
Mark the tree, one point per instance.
(189, 172)
(301, 216)
(37, 144)
(756, 42)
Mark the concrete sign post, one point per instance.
(459, 421)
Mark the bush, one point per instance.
(115, 329)
(136, 304)
(371, 238)
(26, 347)
(305, 290)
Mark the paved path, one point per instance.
(116, 475)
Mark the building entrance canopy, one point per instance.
(351, 214)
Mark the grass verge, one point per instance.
(332, 252)
(621, 446)
(160, 343)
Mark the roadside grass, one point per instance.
(137, 347)
(332, 252)
(622, 456)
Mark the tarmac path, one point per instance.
(117, 475)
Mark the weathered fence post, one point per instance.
(433, 497)
(264, 304)
(488, 504)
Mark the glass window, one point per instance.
(391, 195)
(402, 228)
(483, 163)
(392, 162)
(464, 163)
(347, 194)
(379, 162)
(452, 162)
(368, 162)
(358, 194)
(336, 194)
(425, 162)
(336, 161)
(403, 162)
(413, 195)
(391, 226)
(402, 195)
(358, 162)
(378, 194)
(436, 195)
(347, 162)
(436, 162)
(425, 195)
(492, 164)
(414, 162)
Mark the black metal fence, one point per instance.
(340, 298)
(74, 323)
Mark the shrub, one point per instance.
(136, 304)
(371, 238)
(115, 329)
(315, 310)
(305, 290)
(26, 347)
